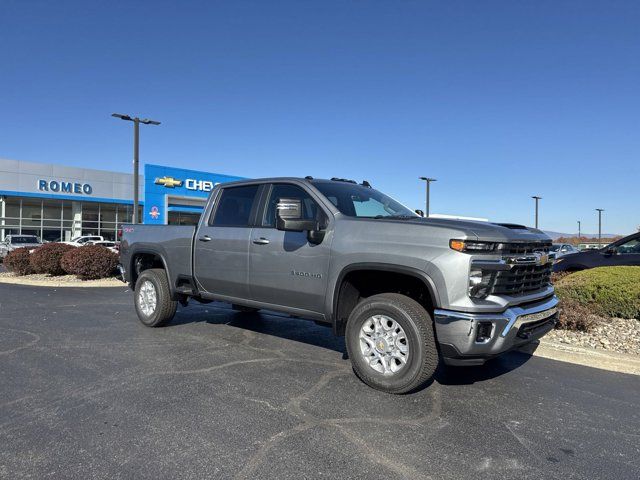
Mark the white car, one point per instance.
(562, 249)
(113, 246)
(84, 239)
(11, 242)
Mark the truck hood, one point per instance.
(491, 232)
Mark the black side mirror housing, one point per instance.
(420, 212)
(611, 251)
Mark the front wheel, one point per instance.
(153, 298)
(391, 343)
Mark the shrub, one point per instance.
(46, 259)
(90, 262)
(576, 317)
(557, 276)
(18, 262)
(604, 291)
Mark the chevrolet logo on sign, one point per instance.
(168, 182)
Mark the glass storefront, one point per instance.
(61, 220)
(183, 218)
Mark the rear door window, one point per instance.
(235, 206)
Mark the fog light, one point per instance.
(483, 332)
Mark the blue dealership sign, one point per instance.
(165, 187)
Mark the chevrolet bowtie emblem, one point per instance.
(168, 182)
(544, 259)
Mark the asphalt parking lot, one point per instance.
(88, 392)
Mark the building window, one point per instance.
(11, 212)
(9, 216)
(51, 221)
(60, 220)
(31, 217)
(107, 221)
(183, 218)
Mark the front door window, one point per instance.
(632, 246)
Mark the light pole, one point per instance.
(579, 231)
(428, 180)
(537, 199)
(136, 155)
(600, 210)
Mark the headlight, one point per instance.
(479, 283)
(471, 246)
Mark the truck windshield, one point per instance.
(22, 239)
(360, 201)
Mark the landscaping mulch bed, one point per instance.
(43, 279)
(615, 334)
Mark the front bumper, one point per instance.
(472, 339)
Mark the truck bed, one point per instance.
(174, 242)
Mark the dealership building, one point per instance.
(58, 203)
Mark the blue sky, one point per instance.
(497, 100)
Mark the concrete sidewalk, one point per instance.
(588, 357)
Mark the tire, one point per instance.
(403, 317)
(150, 283)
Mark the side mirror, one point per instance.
(420, 212)
(611, 251)
(289, 216)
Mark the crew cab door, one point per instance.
(221, 246)
(284, 267)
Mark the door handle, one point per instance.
(206, 238)
(260, 241)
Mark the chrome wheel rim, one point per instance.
(147, 298)
(384, 345)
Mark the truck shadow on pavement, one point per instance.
(493, 368)
(288, 328)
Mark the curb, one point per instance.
(588, 357)
(57, 284)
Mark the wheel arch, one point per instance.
(342, 288)
(156, 259)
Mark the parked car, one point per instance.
(408, 292)
(11, 242)
(562, 249)
(625, 251)
(113, 246)
(83, 239)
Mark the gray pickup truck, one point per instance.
(407, 292)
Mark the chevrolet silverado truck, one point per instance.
(409, 293)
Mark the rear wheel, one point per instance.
(153, 298)
(391, 343)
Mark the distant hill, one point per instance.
(556, 235)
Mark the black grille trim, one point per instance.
(520, 248)
(528, 329)
(521, 279)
